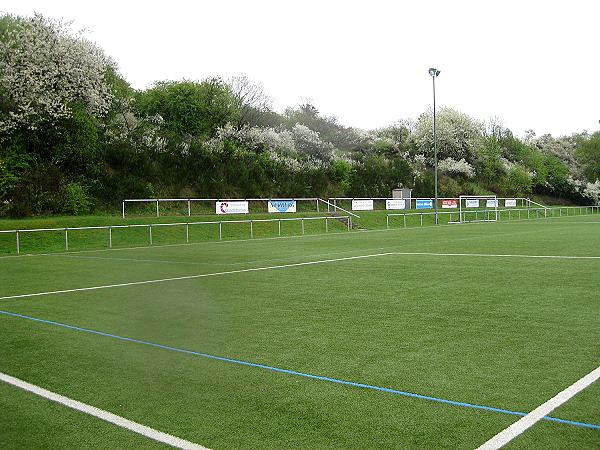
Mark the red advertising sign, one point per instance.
(450, 203)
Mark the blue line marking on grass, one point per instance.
(300, 374)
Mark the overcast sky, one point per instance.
(533, 64)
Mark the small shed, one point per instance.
(402, 193)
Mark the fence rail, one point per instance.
(209, 202)
(510, 214)
(18, 233)
(207, 205)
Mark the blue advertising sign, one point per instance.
(424, 204)
(282, 206)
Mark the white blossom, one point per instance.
(309, 143)
(139, 134)
(592, 191)
(458, 135)
(258, 139)
(452, 166)
(44, 70)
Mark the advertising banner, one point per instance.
(362, 205)
(282, 206)
(395, 204)
(424, 204)
(491, 203)
(472, 203)
(510, 203)
(449, 203)
(240, 207)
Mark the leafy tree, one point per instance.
(488, 165)
(341, 174)
(517, 182)
(588, 153)
(190, 108)
(54, 95)
(376, 176)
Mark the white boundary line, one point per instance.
(306, 263)
(508, 434)
(190, 277)
(151, 433)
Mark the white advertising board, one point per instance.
(362, 205)
(510, 203)
(282, 206)
(395, 204)
(472, 203)
(491, 203)
(240, 207)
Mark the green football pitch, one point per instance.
(406, 338)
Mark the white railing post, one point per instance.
(404, 217)
(387, 222)
(187, 233)
(317, 200)
(150, 232)
(123, 209)
(18, 243)
(66, 239)
(302, 223)
(157, 213)
(278, 227)
(251, 230)
(109, 237)
(326, 225)
(189, 208)
(220, 231)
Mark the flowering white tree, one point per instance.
(452, 166)
(458, 135)
(140, 134)
(258, 139)
(310, 144)
(592, 191)
(45, 70)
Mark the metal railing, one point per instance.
(510, 214)
(211, 201)
(65, 230)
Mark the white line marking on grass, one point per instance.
(284, 266)
(507, 435)
(191, 277)
(151, 433)
(306, 263)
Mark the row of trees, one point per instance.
(74, 136)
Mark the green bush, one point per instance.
(75, 199)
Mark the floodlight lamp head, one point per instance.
(434, 72)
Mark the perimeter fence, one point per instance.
(420, 219)
(111, 236)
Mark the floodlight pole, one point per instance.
(434, 73)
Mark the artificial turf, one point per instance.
(504, 332)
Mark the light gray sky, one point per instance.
(533, 64)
